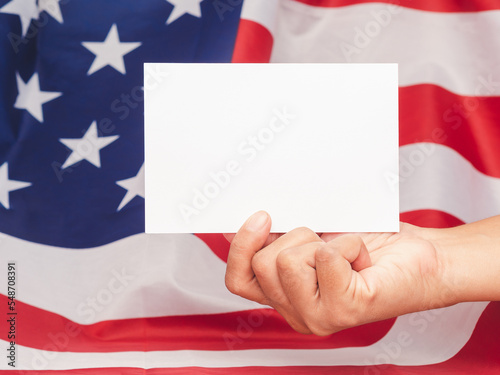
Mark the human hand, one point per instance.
(322, 284)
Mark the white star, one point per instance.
(181, 7)
(52, 7)
(25, 9)
(134, 187)
(87, 147)
(6, 185)
(31, 98)
(110, 52)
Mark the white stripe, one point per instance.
(415, 339)
(436, 177)
(139, 276)
(453, 50)
(263, 12)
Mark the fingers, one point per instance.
(297, 274)
(319, 282)
(309, 282)
(353, 248)
(330, 236)
(271, 238)
(251, 273)
(264, 264)
(240, 278)
(335, 263)
(265, 268)
(372, 240)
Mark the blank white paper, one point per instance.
(314, 145)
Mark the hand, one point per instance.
(323, 284)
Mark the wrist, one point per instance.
(467, 265)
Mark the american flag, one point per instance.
(93, 294)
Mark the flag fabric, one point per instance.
(84, 291)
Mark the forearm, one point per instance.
(470, 260)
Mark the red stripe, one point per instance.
(481, 353)
(257, 329)
(469, 125)
(254, 43)
(428, 5)
(478, 356)
(430, 219)
(216, 242)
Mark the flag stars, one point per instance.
(25, 9)
(31, 98)
(182, 7)
(134, 187)
(110, 52)
(52, 7)
(7, 186)
(87, 148)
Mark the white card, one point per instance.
(314, 145)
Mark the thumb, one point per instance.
(240, 278)
(252, 235)
(335, 263)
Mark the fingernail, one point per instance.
(257, 221)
